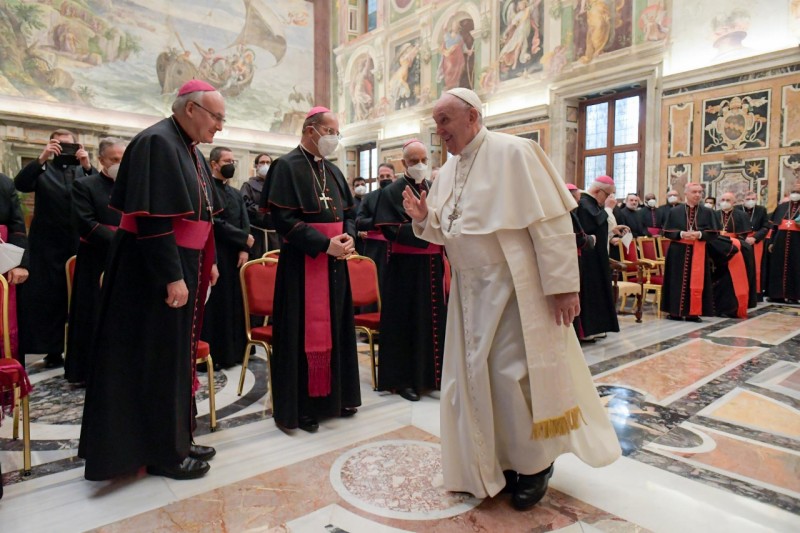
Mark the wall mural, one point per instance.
(457, 54)
(132, 55)
(736, 122)
(520, 37)
(601, 26)
(362, 89)
(404, 80)
(790, 114)
(789, 174)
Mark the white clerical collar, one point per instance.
(470, 149)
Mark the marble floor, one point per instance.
(708, 415)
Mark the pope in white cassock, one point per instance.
(516, 391)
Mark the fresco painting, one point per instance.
(132, 55)
(404, 81)
(362, 89)
(601, 26)
(456, 66)
(521, 38)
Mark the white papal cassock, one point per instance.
(509, 371)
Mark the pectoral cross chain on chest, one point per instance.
(325, 199)
(452, 217)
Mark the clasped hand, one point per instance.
(341, 246)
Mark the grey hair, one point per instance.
(467, 107)
(108, 142)
(313, 120)
(180, 101)
(597, 186)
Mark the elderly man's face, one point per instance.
(415, 153)
(632, 202)
(693, 194)
(456, 122)
(207, 117)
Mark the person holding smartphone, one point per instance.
(42, 307)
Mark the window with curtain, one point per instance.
(611, 140)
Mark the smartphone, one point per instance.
(69, 148)
(67, 157)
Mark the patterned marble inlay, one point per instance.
(398, 479)
(670, 374)
(769, 328)
(761, 464)
(756, 411)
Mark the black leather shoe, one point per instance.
(675, 317)
(53, 360)
(410, 394)
(201, 453)
(531, 489)
(693, 318)
(308, 423)
(190, 468)
(511, 481)
(347, 412)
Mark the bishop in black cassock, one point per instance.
(43, 298)
(314, 362)
(414, 307)
(784, 251)
(735, 280)
(759, 227)
(139, 394)
(96, 223)
(690, 227)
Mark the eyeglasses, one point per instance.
(331, 131)
(216, 116)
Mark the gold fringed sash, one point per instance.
(558, 426)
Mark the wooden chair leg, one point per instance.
(638, 310)
(212, 404)
(15, 426)
(373, 361)
(26, 428)
(245, 360)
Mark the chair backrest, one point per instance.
(648, 248)
(70, 269)
(663, 245)
(275, 254)
(6, 334)
(258, 287)
(628, 254)
(363, 281)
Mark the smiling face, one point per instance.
(457, 122)
(206, 118)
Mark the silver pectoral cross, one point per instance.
(452, 217)
(324, 199)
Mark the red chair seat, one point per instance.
(203, 349)
(655, 279)
(263, 333)
(368, 320)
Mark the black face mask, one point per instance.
(385, 183)
(227, 171)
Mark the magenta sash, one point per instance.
(318, 337)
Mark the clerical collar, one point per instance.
(182, 132)
(470, 149)
(317, 158)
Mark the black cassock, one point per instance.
(759, 227)
(375, 245)
(138, 408)
(414, 309)
(582, 242)
(12, 218)
(632, 219)
(784, 260)
(96, 224)
(42, 304)
(737, 224)
(651, 217)
(598, 311)
(260, 224)
(676, 296)
(293, 192)
(223, 321)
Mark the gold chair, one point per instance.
(258, 294)
(650, 250)
(69, 267)
(275, 254)
(14, 375)
(365, 291)
(204, 356)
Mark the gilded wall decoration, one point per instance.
(521, 39)
(404, 80)
(362, 89)
(737, 177)
(133, 55)
(736, 122)
(456, 65)
(790, 115)
(681, 119)
(678, 176)
(789, 174)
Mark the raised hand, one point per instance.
(416, 208)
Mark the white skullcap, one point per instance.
(467, 96)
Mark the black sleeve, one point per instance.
(28, 177)
(289, 225)
(156, 240)
(227, 232)
(364, 219)
(16, 221)
(84, 218)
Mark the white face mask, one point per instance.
(112, 171)
(795, 197)
(361, 190)
(651, 202)
(709, 205)
(749, 204)
(327, 144)
(725, 206)
(672, 199)
(418, 172)
(262, 170)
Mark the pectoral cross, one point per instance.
(452, 217)
(324, 199)
(788, 223)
